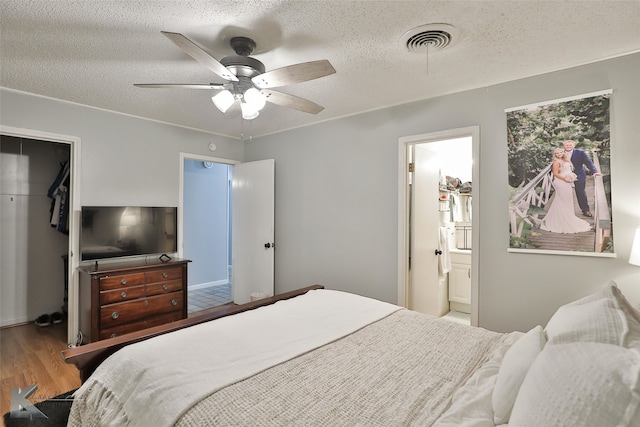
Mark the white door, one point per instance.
(426, 293)
(252, 229)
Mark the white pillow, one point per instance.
(594, 318)
(632, 340)
(471, 404)
(580, 384)
(604, 293)
(513, 370)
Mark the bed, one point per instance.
(319, 357)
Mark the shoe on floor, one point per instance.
(44, 320)
(56, 317)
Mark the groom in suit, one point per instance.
(580, 159)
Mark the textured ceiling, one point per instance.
(92, 52)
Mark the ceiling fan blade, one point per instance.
(200, 55)
(214, 86)
(290, 101)
(296, 73)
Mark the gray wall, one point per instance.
(336, 186)
(337, 195)
(125, 160)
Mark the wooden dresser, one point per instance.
(123, 297)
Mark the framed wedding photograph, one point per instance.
(559, 176)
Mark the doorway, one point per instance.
(206, 231)
(249, 235)
(428, 189)
(30, 164)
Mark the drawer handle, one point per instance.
(114, 315)
(123, 282)
(174, 302)
(165, 287)
(165, 275)
(114, 335)
(146, 302)
(123, 295)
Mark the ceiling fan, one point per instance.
(247, 80)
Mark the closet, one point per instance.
(33, 245)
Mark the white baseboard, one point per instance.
(21, 320)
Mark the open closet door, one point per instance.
(252, 229)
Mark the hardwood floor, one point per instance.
(30, 354)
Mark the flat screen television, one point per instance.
(123, 231)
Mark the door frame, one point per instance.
(403, 209)
(74, 217)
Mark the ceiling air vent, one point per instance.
(430, 37)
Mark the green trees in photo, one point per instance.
(533, 133)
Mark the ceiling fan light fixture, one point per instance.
(223, 100)
(249, 112)
(247, 80)
(255, 98)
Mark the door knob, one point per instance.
(438, 252)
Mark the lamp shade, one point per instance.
(249, 112)
(223, 100)
(255, 98)
(634, 258)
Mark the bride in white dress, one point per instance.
(561, 217)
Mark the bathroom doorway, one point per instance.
(436, 202)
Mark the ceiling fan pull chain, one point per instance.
(427, 60)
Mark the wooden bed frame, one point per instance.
(87, 357)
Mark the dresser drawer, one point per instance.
(123, 294)
(121, 281)
(163, 288)
(130, 311)
(164, 275)
(140, 325)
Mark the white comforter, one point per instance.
(400, 371)
(154, 382)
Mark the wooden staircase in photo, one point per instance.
(538, 192)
